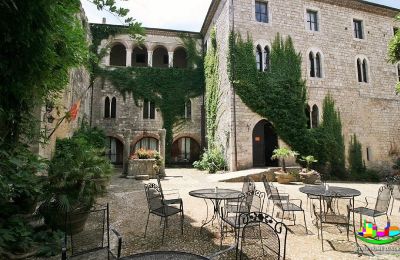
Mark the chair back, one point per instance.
(154, 196)
(262, 237)
(383, 199)
(266, 186)
(159, 186)
(248, 184)
(246, 202)
(275, 195)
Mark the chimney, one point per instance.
(104, 21)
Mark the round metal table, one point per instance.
(326, 192)
(216, 195)
(170, 255)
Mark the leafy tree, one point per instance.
(394, 50)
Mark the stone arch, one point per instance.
(160, 57)
(193, 136)
(265, 140)
(180, 57)
(259, 58)
(118, 54)
(315, 116)
(139, 56)
(315, 63)
(307, 111)
(362, 68)
(185, 149)
(139, 137)
(115, 149)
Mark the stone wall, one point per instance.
(369, 110)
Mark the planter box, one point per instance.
(142, 167)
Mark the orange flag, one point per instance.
(73, 112)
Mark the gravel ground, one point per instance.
(128, 213)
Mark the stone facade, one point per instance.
(129, 125)
(369, 110)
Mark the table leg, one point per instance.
(214, 216)
(320, 221)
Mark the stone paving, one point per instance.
(129, 212)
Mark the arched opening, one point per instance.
(365, 72)
(318, 68)
(312, 64)
(115, 150)
(160, 57)
(188, 109)
(185, 150)
(259, 58)
(315, 116)
(139, 56)
(265, 140)
(113, 107)
(307, 111)
(359, 70)
(180, 58)
(118, 55)
(266, 58)
(107, 107)
(147, 143)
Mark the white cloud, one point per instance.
(169, 14)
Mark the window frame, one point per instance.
(188, 112)
(260, 14)
(266, 58)
(358, 30)
(259, 58)
(107, 107)
(312, 26)
(149, 110)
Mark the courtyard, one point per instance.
(128, 213)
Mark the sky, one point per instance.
(186, 15)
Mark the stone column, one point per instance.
(127, 150)
(150, 58)
(162, 133)
(170, 59)
(129, 57)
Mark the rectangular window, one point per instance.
(358, 29)
(262, 12)
(312, 20)
(149, 108)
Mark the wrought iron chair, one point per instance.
(248, 185)
(394, 183)
(93, 239)
(262, 236)
(286, 205)
(158, 206)
(329, 214)
(251, 201)
(169, 201)
(268, 191)
(381, 204)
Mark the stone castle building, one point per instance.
(343, 44)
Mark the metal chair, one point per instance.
(268, 191)
(262, 236)
(158, 206)
(168, 201)
(328, 214)
(93, 238)
(286, 205)
(251, 201)
(394, 183)
(381, 204)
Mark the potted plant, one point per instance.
(281, 154)
(73, 182)
(308, 175)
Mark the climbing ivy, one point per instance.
(279, 94)
(168, 88)
(212, 95)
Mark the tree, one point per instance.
(394, 50)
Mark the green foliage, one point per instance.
(93, 135)
(212, 95)
(394, 46)
(331, 139)
(77, 174)
(282, 154)
(309, 160)
(212, 160)
(356, 164)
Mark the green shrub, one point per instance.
(211, 160)
(356, 165)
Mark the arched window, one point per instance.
(118, 55)
(180, 58)
(315, 116)
(359, 71)
(188, 109)
(139, 56)
(149, 109)
(318, 68)
(113, 107)
(312, 64)
(115, 150)
(185, 150)
(107, 107)
(160, 57)
(148, 143)
(307, 112)
(266, 58)
(365, 72)
(259, 58)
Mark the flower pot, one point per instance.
(75, 223)
(283, 178)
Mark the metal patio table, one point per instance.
(325, 192)
(216, 195)
(170, 255)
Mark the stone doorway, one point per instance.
(265, 140)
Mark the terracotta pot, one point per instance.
(73, 225)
